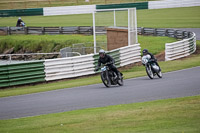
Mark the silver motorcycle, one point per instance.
(151, 68)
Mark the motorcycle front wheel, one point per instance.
(149, 71)
(105, 79)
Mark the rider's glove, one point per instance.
(97, 68)
(151, 60)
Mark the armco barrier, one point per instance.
(21, 12)
(62, 68)
(142, 5)
(69, 67)
(130, 54)
(4, 76)
(172, 4)
(66, 10)
(23, 73)
(181, 48)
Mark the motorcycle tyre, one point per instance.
(159, 74)
(150, 76)
(108, 83)
(120, 82)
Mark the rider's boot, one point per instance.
(119, 75)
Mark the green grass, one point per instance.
(133, 72)
(40, 43)
(187, 17)
(181, 115)
(49, 43)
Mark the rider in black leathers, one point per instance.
(107, 59)
(19, 22)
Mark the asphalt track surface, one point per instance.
(173, 84)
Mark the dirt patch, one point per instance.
(197, 50)
(160, 56)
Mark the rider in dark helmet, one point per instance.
(107, 59)
(152, 59)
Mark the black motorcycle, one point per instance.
(152, 68)
(109, 77)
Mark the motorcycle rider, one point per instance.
(20, 23)
(152, 59)
(107, 59)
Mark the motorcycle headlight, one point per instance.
(103, 68)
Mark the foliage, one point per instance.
(40, 43)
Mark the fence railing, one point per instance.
(88, 30)
(181, 48)
(21, 73)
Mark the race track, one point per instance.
(173, 84)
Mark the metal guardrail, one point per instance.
(88, 30)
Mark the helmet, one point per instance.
(19, 18)
(145, 51)
(101, 51)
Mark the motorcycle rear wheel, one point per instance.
(105, 79)
(120, 81)
(159, 74)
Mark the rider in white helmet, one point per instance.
(107, 59)
(20, 22)
(152, 59)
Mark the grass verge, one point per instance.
(186, 17)
(180, 115)
(49, 43)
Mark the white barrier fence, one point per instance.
(67, 10)
(180, 49)
(173, 3)
(130, 54)
(69, 67)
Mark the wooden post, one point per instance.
(25, 30)
(183, 34)
(8, 31)
(60, 30)
(142, 30)
(175, 34)
(154, 32)
(92, 30)
(43, 30)
(79, 31)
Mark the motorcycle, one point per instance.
(22, 24)
(152, 68)
(109, 77)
